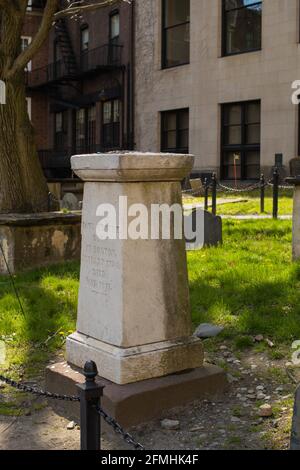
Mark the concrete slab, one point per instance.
(140, 402)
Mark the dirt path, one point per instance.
(231, 422)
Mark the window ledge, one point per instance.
(233, 54)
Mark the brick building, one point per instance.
(80, 85)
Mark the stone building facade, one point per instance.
(215, 78)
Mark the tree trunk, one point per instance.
(23, 188)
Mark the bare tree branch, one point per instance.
(50, 15)
(77, 7)
(42, 34)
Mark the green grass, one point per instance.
(49, 298)
(249, 285)
(252, 207)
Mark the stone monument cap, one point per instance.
(132, 166)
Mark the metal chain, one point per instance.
(271, 184)
(240, 190)
(108, 419)
(35, 391)
(119, 430)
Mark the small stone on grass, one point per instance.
(266, 411)
(71, 425)
(170, 424)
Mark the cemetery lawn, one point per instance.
(49, 299)
(252, 206)
(248, 285)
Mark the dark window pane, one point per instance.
(232, 114)
(243, 24)
(252, 158)
(111, 124)
(241, 140)
(252, 165)
(170, 121)
(175, 131)
(253, 113)
(176, 12)
(183, 120)
(177, 48)
(171, 139)
(253, 134)
(233, 135)
(232, 165)
(176, 33)
(183, 139)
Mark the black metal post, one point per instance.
(206, 189)
(214, 194)
(275, 193)
(262, 194)
(90, 422)
(295, 438)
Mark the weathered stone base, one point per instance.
(126, 365)
(140, 402)
(35, 240)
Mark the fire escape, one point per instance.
(69, 70)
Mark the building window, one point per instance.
(175, 32)
(91, 129)
(85, 39)
(111, 124)
(29, 107)
(175, 131)
(242, 26)
(80, 131)
(114, 27)
(25, 41)
(241, 141)
(86, 130)
(84, 47)
(61, 130)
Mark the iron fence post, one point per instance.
(206, 189)
(275, 193)
(295, 438)
(90, 421)
(262, 194)
(214, 194)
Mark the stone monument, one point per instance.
(134, 316)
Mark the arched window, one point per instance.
(2, 92)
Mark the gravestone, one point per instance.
(134, 315)
(197, 187)
(207, 229)
(70, 202)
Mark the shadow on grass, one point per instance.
(49, 298)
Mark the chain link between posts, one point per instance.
(70, 398)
